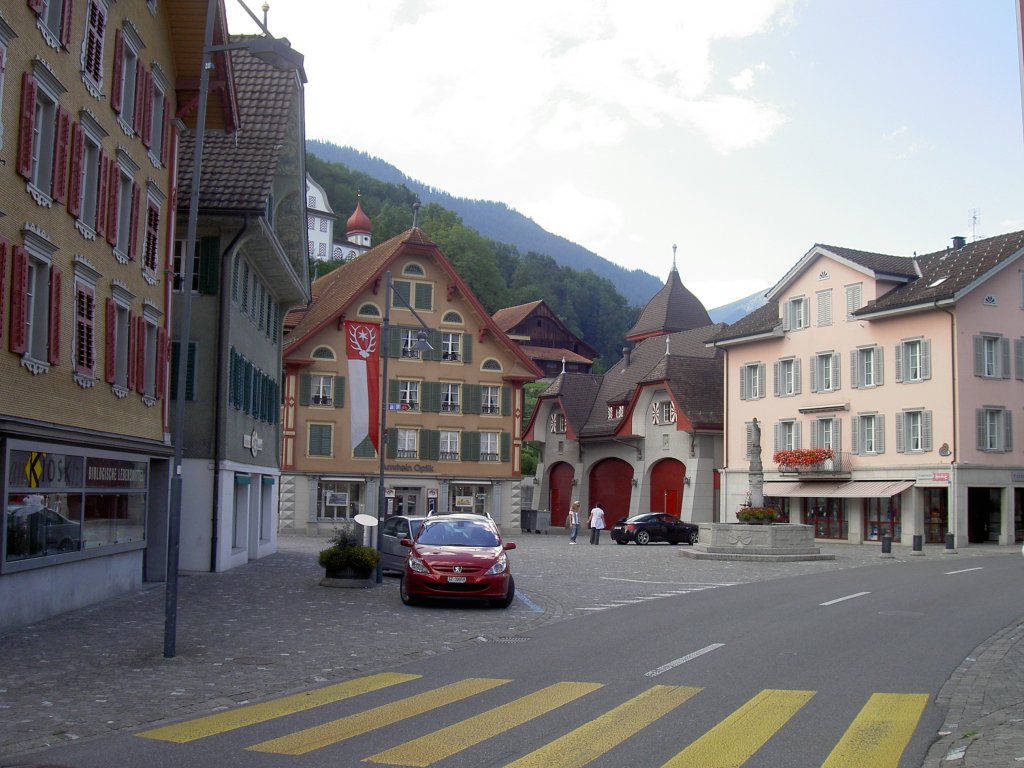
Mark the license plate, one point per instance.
(456, 579)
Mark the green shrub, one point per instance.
(347, 551)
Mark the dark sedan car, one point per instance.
(654, 526)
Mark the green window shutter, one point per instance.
(392, 449)
(209, 265)
(506, 446)
(424, 296)
(430, 397)
(434, 339)
(392, 391)
(305, 389)
(402, 288)
(467, 348)
(506, 401)
(470, 448)
(339, 391)
(471, 399)
(365, 449)
(319, 440)
(430, 444)
(394, 341)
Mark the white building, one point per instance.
(319, 221)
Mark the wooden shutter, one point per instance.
(101, 195)
(339, 392)
(133, 222)
(979, 356)
(471, 398)
(392, 443)
(53, 337)
(815, 384)
(1008, 430)
(160, 387)
(26, 136)
(140, 95)
(3, 282)
(147, 110)
(506, 401)
(305, 389)
(879, 433)
(926, 359)
(75, 173)
(879, 354)
(470, 446)
(855, 435)
(110, 343)
(467, 348)
(901, 445)
(130, 366)
(140, 355)
(209, 265)
(430, 444)
(855, 369)
(982, 429)
(85, 314)
(506, 446)
(165, 134)
(113, 199)
(1004, 358)
(66, 16)
(117, 75)
(430, 397)
(62, 138)
(152, 247)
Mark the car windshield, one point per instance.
(458, 533)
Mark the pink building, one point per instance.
(905, 373)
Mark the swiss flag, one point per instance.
(362, 342)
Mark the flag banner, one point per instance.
(362, 342)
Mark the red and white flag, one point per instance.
(362, 340)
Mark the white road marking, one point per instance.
(683, 659)
(848, 597)
(965, 570)
(676, 583)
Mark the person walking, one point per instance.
(573, 521)
(596, 521)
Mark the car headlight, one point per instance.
(418, 565)
(500, 566)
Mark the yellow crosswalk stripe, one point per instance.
(448, 741)
(321, 736)
(259, 713)
(590, 741)
(731, 743)
(880, 732)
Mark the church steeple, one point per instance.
(672, 309)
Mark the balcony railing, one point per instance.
(401, 454)
(839, 464)
(449, 407)
(323, 400)
(489, 457)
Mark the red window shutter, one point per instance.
(133, 223)
(60, 155)
(36, 6)
(131, 350)
(147, 114)
(54, 336)
(165, 134)
(101, 195)
(75, 174)
(3, 282)
(152, 236)
(95, 24)
(161, 363)
(110, 343)
(113, 195)
(19, 295)
(140, 95)
(28, 118)
(140, 356)
(65, 22)
(117, 76)
(84, 339)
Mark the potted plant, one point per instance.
(803, 458)
(756, 515)
(347, 559)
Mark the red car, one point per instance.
(460, 557)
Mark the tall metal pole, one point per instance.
(184, 330)
(385, 333)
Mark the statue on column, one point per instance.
(756, 468)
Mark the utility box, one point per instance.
(528, 519)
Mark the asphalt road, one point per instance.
(834, 668)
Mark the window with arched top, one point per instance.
(490, 364)
(452, 317)
(413, 270)
(370, 310)
(323, 353)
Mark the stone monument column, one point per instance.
(756, 468)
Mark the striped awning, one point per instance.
(853, 489)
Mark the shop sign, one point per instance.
(463, 501)
(409, 467)
(1017, 476)
(940, 477)
(35, 469)
(114, 473)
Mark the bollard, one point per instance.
(887, 545)
(917, 546)
(950, 544)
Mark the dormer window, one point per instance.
(556, 423)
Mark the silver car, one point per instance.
(392, 554)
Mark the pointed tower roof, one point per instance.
(358, 222)
(672, 309)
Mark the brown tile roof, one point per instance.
(879, 263)
(762, 320)
(554, 353)
(673, 308)
(576, 393)
(510, 317)
(238, 168)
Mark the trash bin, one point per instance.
(543, 520)
(528, 519)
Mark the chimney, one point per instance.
(625, 355)
(959, 241)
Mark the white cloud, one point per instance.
(589, 221)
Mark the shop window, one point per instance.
(827, 517)
(882, 517)
(339, 500)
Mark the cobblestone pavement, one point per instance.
(269, 628)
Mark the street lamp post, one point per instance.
(279, 54)
(421, 345)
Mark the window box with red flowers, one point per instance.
(803, 459)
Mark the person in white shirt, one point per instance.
(573, 521)
(596, 521)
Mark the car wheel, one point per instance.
(673, 542)
(642, 537)
(407, 599)
(506, 601)
(694, 537)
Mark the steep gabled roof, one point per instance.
(334, 292)
(877, 266)
(696, 386)
(672, 309)
(762, 321)
(509, 317)
(575, 393)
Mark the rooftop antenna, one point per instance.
(265, 7)
(674, 257)
(668, 342)
(974, 222)
(563, 363)
(415, 213)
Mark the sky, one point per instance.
(742, 131)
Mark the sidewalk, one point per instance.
(268, 628)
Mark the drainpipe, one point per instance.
(956, 442)
(223, 307)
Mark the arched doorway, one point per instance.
(611, 485)
(667, 482)
(560, 492)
